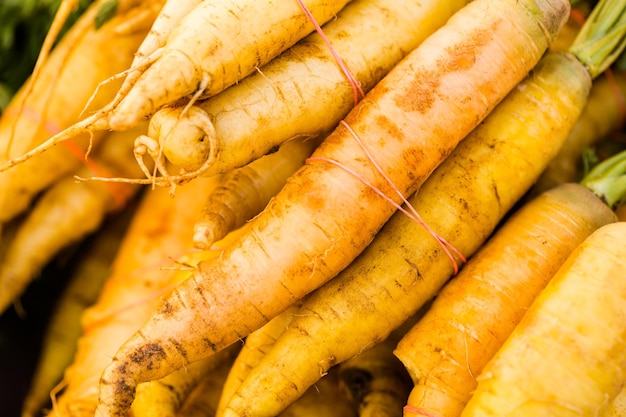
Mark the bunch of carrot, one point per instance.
(336, 189)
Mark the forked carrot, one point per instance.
(403, 267)
(324, 216)
(566, 356)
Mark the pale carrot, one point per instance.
(84, 57)
(325, 216)
(244, 192)
(303, 92)
(566, 356)
(404, 267)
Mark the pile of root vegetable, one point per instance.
(323, 208)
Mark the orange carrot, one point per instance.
(66, 213)
(325, 216)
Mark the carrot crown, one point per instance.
(607, 180)
(602, 38)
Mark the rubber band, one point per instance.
(414, 215)
(356, 86)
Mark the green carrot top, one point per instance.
(602, 37)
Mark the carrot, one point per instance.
(161, 229)
(555, 342)
(66, 213)
(421, 109)
(254, 348)
(245, 191)
(82, 59)
(604, 114)
(63, 330)
(475, 312)
(288, 98)
(404, 267)
(170, 15)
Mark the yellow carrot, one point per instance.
(63, 330)
(244, 192)
(325, 216)
(404, 267)
(166, 396)
(287, 98)
(254, 348)
(326, 398)
(66, 213)
(566, 356)
(376, 380)
(203, 400)
(604, 114)
(84, 57)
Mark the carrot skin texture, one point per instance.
(68, 77)
(574, 331)
(252, 114)
(411, 121)
(404, 267)
(476, 311)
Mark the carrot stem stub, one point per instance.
(323, 217)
